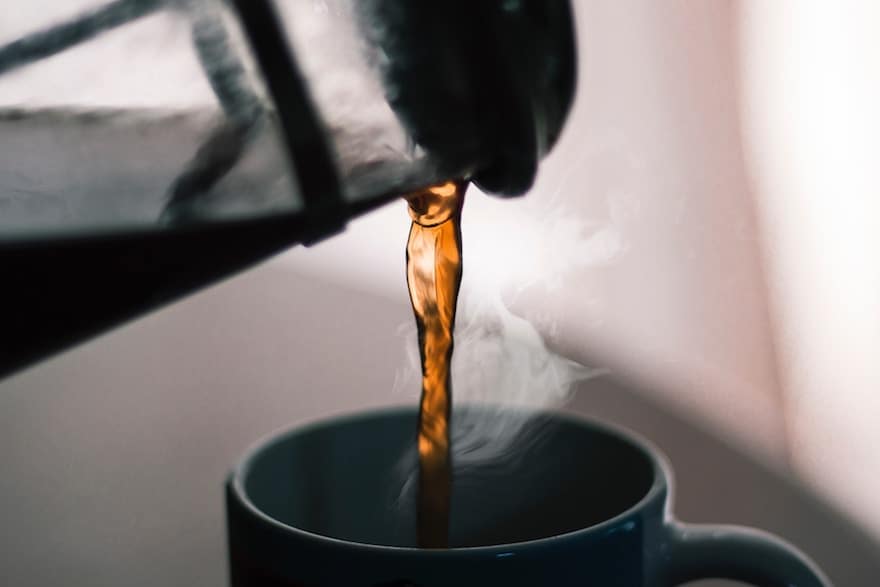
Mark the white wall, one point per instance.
(811, 74)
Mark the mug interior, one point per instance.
(354, 479)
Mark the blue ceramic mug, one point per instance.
(579, 504)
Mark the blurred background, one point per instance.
(706, 229)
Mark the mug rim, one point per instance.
(661, 469)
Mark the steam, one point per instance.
(501, 361)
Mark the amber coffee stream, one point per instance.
(433, 275)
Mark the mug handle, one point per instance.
(737, 553)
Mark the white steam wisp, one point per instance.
(501, 361)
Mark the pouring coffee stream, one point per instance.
(433, 275)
